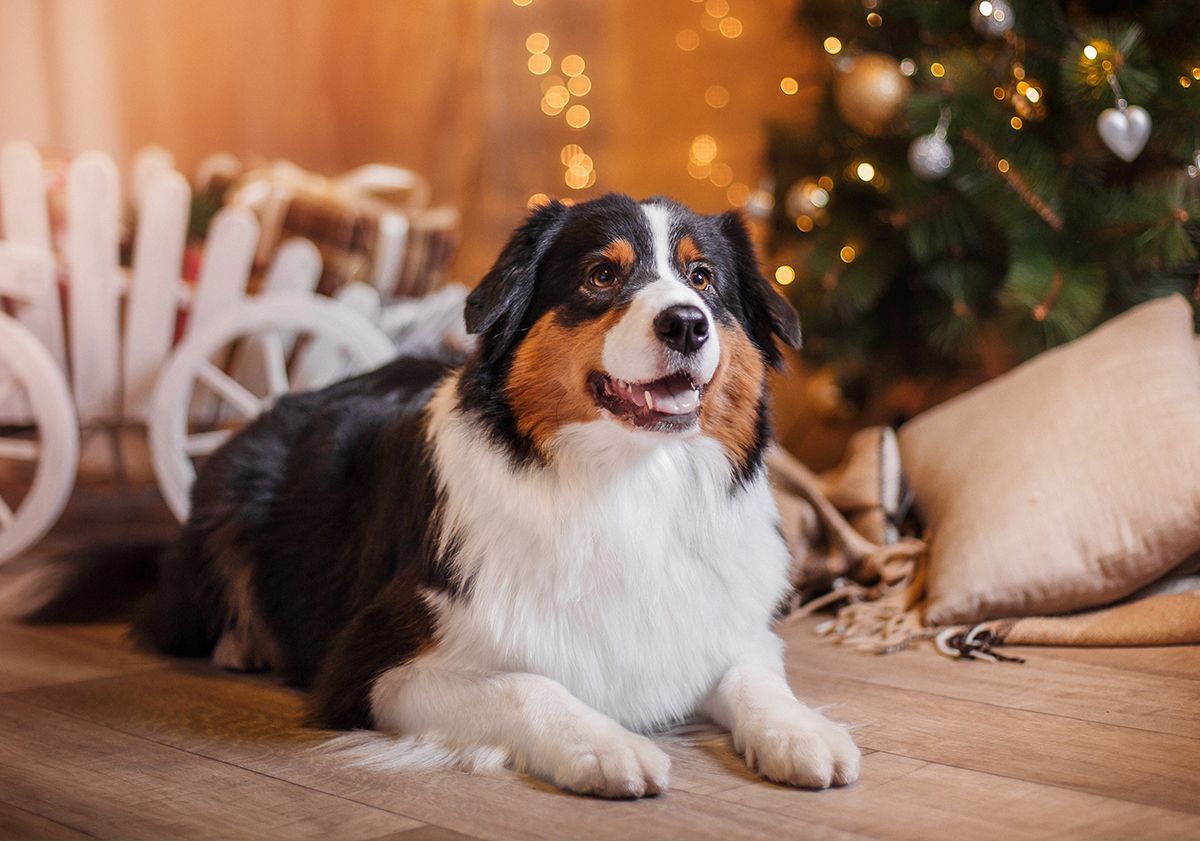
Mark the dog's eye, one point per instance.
(602, 277)
(700, 278)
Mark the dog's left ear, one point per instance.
(769, 313)
(496, 307)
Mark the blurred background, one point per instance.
(942, 188)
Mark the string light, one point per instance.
(537, 199)
(804, 223)
(704, 149)
(1002, 165)
(687, 39)
(1089, 52)
(539, 64)
(716, 96)
(865, 171)
(523, 3)
(716, 8)
(785, 275)
(578, 116)
(730, 27)
(907, 66)
(833, 45)
(789, 85)
(937, 70)
(721, 175)
(874, 20)
(537, 43)
(579, 85)
(847, 254)
(826, 182)
(1016, 123)
(738, 194)
(572, 65)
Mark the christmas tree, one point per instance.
(986, 180)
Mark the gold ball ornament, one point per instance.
(871, 92)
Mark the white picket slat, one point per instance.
(296, 267)
(154, 290)
(93, 214)
(225, 266)
(23, 195)
(149, 162)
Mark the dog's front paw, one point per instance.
(799, 747)
(612, 763)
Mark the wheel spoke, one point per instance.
(204, 443)
(19, 449)
(6, 514)
(236, 394)
(276, 364)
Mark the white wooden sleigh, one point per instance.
(88, 347)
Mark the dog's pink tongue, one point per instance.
(669, 397)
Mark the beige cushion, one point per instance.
(1069, 482)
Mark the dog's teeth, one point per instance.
(649, 400)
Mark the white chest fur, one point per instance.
(629, 571)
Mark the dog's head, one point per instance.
(645, 315)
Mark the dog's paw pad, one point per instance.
(804, 750)
(624, 766)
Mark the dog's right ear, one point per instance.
(496, 307)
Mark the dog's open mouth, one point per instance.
(665, 405)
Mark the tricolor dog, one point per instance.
(551, 550)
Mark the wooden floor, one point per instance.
(99, 740)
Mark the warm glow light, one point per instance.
(937, 69)
(730, 27)
(557, 97)
(985, 8)
(1196, 73)
(579, 85)
(1016, 123)
(738, 194)
(826, 182)
(539, 64)
(818, 197)
(717, 8)
(699, 171)
(998, 92)
(569, 153)
(522, 3)
(721, 175)
(875, 20)
(538, 42)
(704, 149)
(804, 223)
(908, 66)
(1002, 165)
(572, 65)
(549, 82)
(847, 254)
(716, 96)
(1033, 95)
(785, 275)
(576, 177)
(549, 109)
(537, 199)
(789, 85)
(833, 45)
(1089, 52)
(578, 116)
(1185, 82)
(687, 39)
(864, 171)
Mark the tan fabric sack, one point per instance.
(1069, 482)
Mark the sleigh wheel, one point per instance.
(39, 440)
(280, 329)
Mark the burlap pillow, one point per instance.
(1069, 482)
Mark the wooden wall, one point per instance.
(439, 85)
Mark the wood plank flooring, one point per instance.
(100, 740)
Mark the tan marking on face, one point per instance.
(621, 253)
(729, 411)
(687, 251)
(548, 384)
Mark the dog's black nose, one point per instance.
(683, 328)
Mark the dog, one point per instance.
(553, 549)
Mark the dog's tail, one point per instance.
(88, 585)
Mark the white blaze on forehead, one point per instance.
(632, 351)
